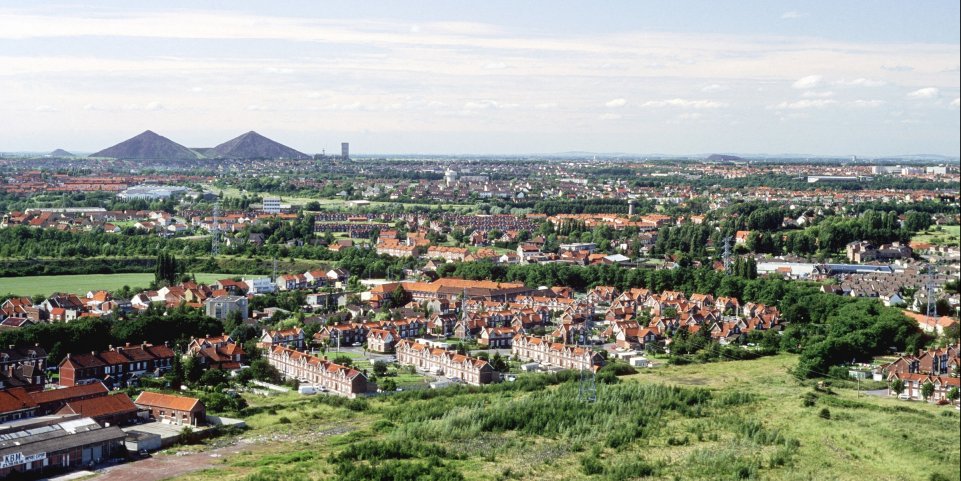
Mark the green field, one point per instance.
(724, 421)
(80, 284)
(940, 235)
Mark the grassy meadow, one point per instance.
(940, 235)
(723, 421)
(79, 284)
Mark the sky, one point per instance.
(864, 78)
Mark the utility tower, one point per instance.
(465, 319)
(587, 387)
(930, 286)
(215, 231)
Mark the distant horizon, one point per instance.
(862, 78)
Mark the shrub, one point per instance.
(825, 413)
(591, 465)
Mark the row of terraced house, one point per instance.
(446, 363)
(318, 372)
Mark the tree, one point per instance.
(897, 386)
(380, 368)
(927, 389)
(192, 370)
(954, 393)
(388, 385)
(213, 378)
(167, 269)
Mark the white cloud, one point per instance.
(714, 88)
(815, 94)
(495, 66)
(861, 82)
(487, 105)
(45, 108)
(956, 102)
(685, 104)
(804, 104)
(925, 93)
(867, 104)
(897, 68)
(793, 15)
(610, 116)
(546, 105)
(614, 103)
(154, 106)
(808, 82)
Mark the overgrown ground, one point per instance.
(734, 420)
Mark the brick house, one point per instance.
(117, 366)
(530, 348)
(496, 337)
(381, 340)
(115, 410)
(50, 401)
(318, 372)
(16, 404)
(167, 408)
(217, 352)
(23, 367)
(292, 338)
(447, 363)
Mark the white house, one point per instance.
(260, 285)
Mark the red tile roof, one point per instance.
(177, 403)
(100, 406)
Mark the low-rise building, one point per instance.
(115, 410)
(445, 363)
(292, 338)
(530, 348)
(217, 352)
(117, 366)
(23, 367)
(318, 372)
(167, 408)
(222, 307)
(50, 445)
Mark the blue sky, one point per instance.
(841, 78)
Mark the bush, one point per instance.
(591, 465)
(825, 413)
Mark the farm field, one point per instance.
(732, 420)
(80, 284)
